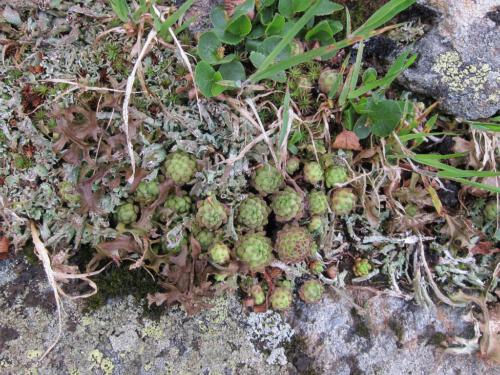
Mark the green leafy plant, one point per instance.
(269, 43)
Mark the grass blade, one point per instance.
(121, 9)
(173, 18)
(383, 15)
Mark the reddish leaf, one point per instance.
(484, 248)
(4, 248)
(347, 140)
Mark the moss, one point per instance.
(397, 328)
(29, 255)
(360, 326)
(120, 282)
(437, 339)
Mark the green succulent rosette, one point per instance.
(180, 167)
(255, 250)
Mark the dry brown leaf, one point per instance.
(347, 140)
(4, 248)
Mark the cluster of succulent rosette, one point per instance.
(278, 224)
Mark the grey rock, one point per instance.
(392, 336)
(389, 336)
(459, 59)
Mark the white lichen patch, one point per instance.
(459, 76)
(272, 332)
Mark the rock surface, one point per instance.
(393, 337)
(459, 59)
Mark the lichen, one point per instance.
(459, 76)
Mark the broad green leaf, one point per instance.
(257, 58)
(266, 16)
(204, 76)
(218, 18)
(240, 26)
(322, 31)
(211, 50)
(217, 88)
(233, 71)
(385, 116)
(327, 7)
(367, 30)
(288, 37)
(276, 26)
(269, 45)
(243, 9)
(362, 128)
(257, 32)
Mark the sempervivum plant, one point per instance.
(127, 213)
(180, 167)
(293, 244)
(343, 201)
(311, 291)
(180, 204)
(335, 175)
(313, 173)
(326, 80)
(315, 224)
(292, 165)
(281, 298)
(211, 214)
(205, 238)
(318, 202)
(255, 250)
(219, 253)
(491, 211)
(258, 295)
(362, 267)
(267, 179)
(287, 205)
(253, 213)
(147, 192)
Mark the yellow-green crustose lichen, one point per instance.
(459, 76)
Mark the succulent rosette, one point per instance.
(343, 201)
(267, 179)
(313, 173)
(317, 202)
(293, 244)
(180, 167)
(287, 205)
(211, 214)
(253, 213)
(255, 250)
(335, 175)
(281, 298)
(311, 291)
